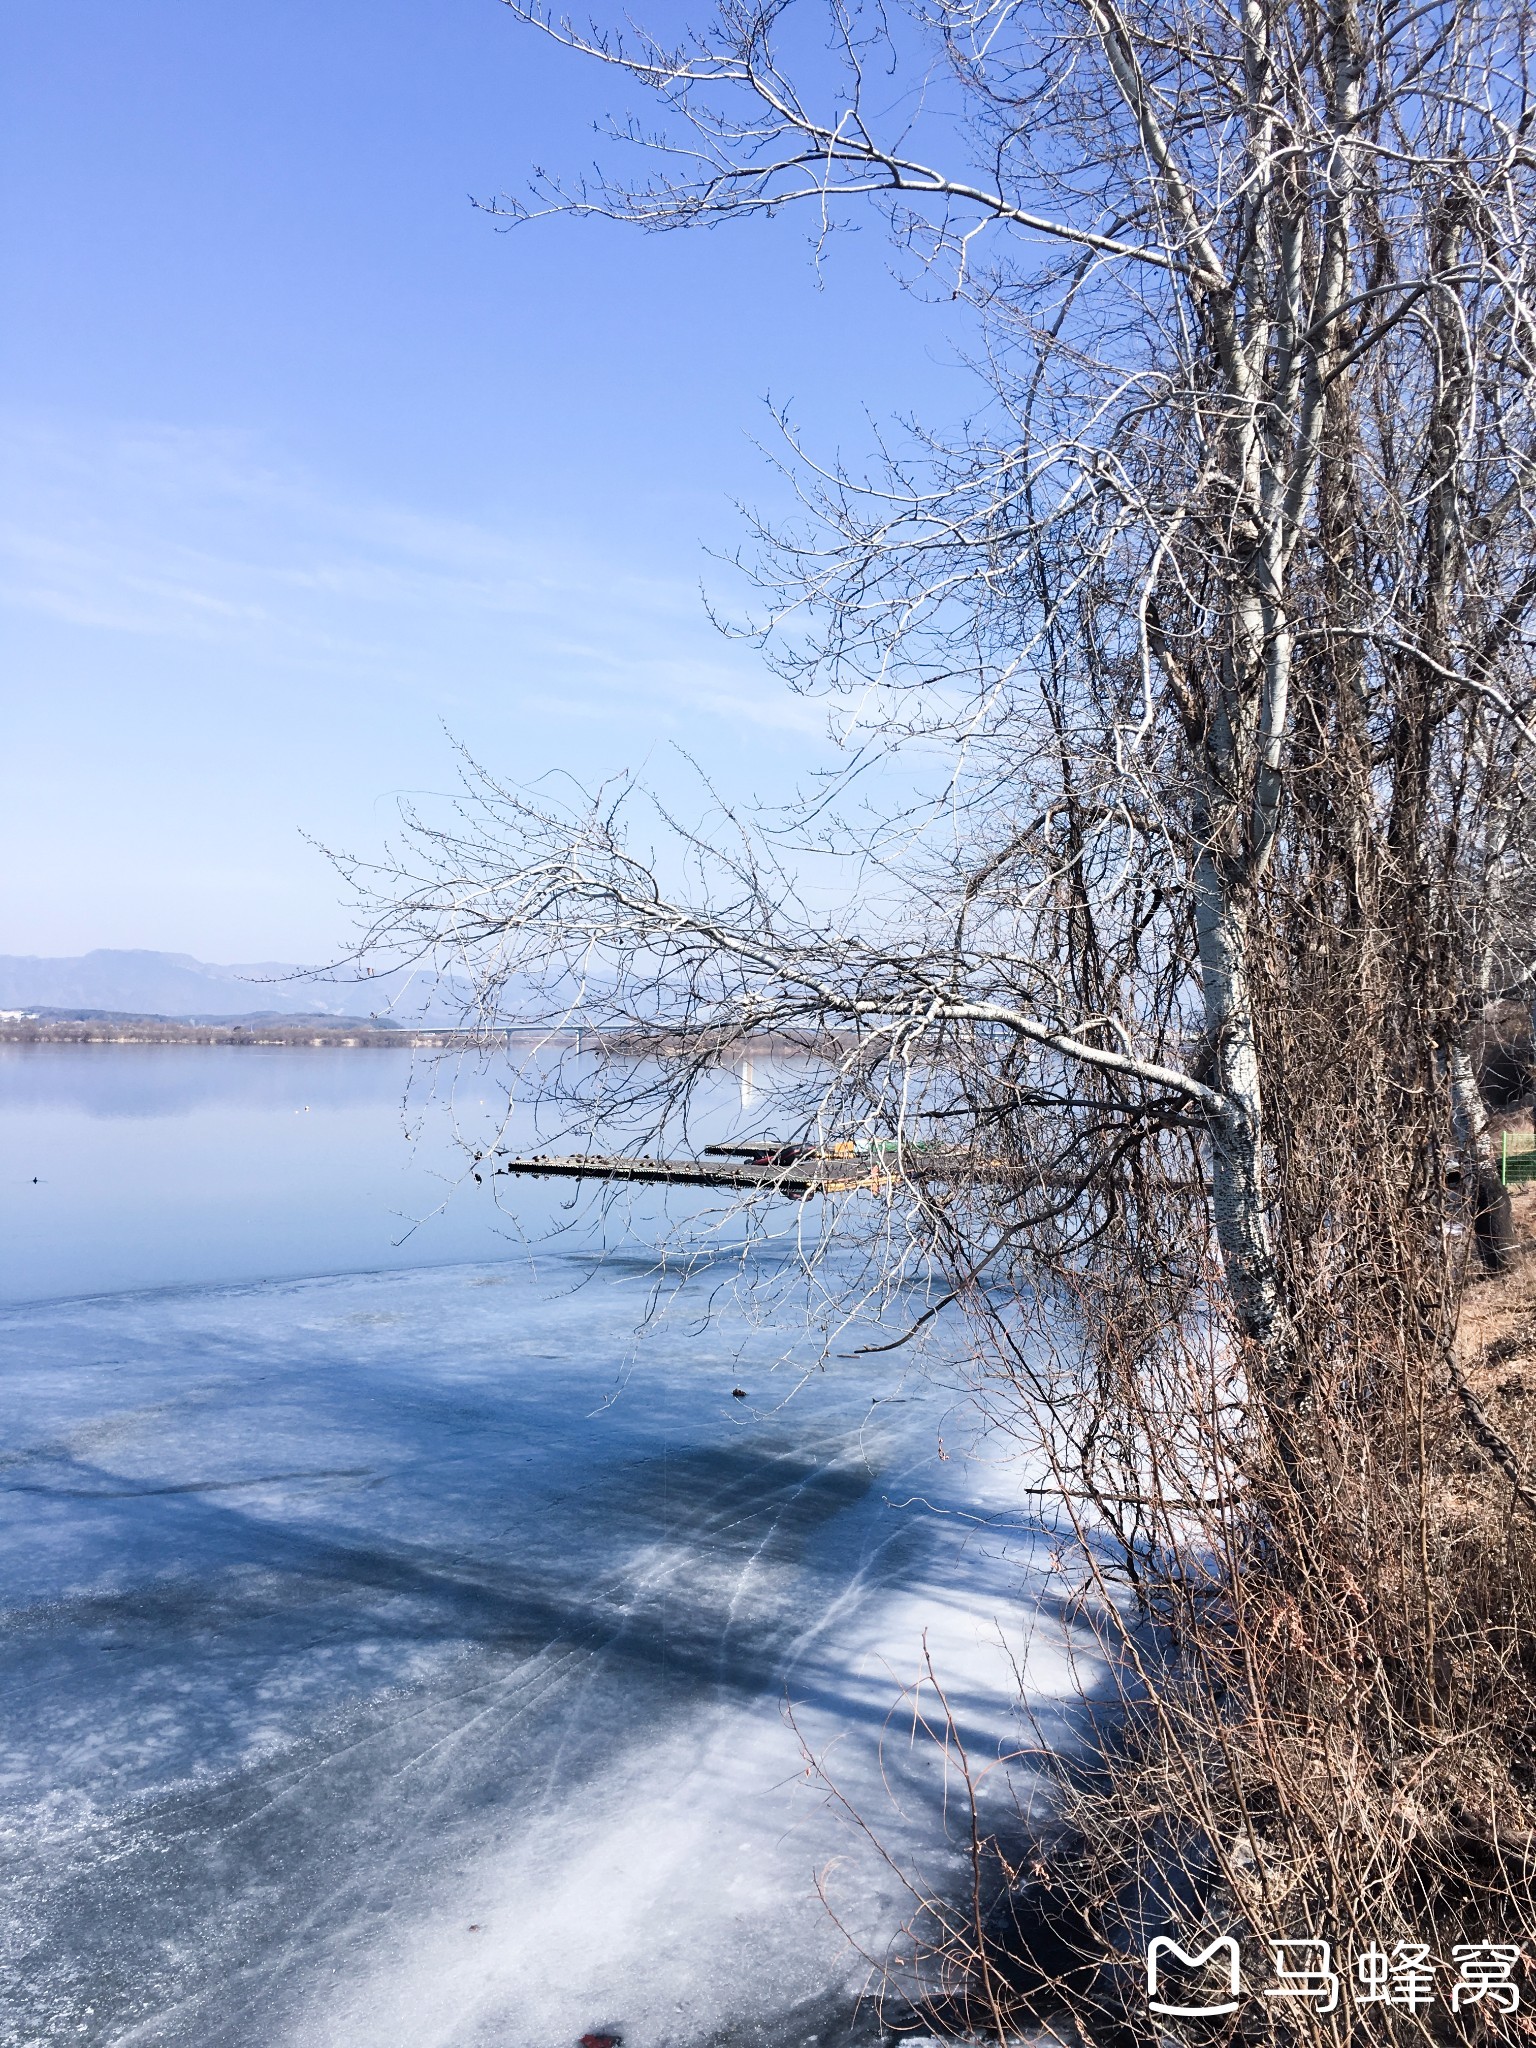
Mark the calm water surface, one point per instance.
(147, 1165)
(398, 1628)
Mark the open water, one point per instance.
(408, 1639)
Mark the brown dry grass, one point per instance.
(1337, 1737)
(1496, 1330)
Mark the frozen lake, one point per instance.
(396, 1645)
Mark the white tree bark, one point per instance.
(1238, 1208)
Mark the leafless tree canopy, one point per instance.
(1217, 625)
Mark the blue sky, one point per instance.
(302, 459)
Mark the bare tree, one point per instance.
(1219, 624)
(1256, 494)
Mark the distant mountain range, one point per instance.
(174, 985)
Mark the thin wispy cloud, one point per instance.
(199, 539)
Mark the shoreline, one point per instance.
(300, 1031)
(106, 1027)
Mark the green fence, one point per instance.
(1517, 1157)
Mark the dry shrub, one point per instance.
(1313, 1579)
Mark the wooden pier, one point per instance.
(800, 1174)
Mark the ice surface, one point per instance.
(402, 1658)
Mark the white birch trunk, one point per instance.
(1236, 1134)
(1469, 1116)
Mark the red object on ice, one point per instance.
(599, 2041)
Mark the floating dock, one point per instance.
(802, 1173)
